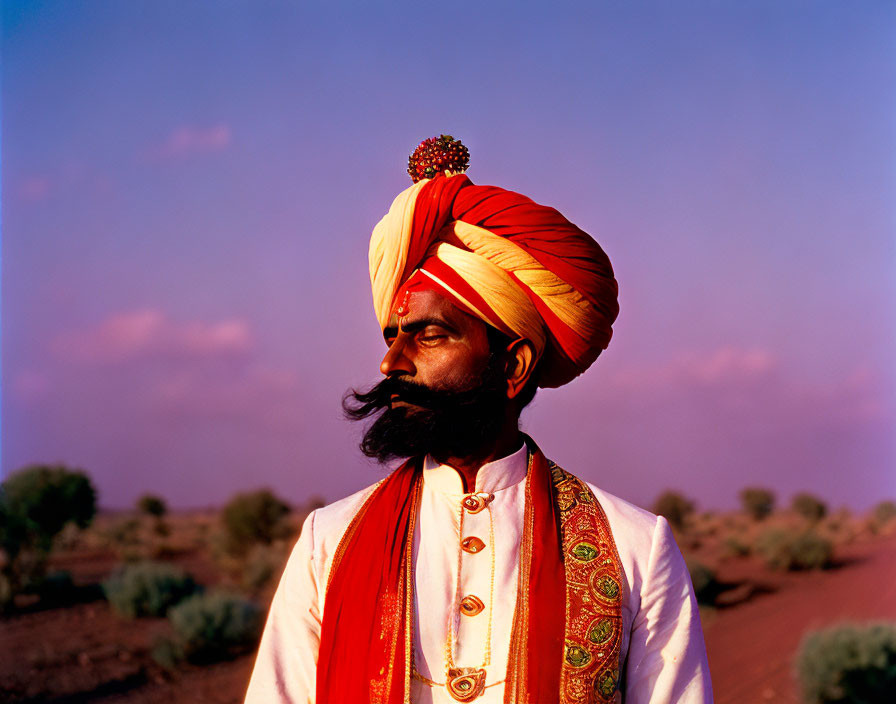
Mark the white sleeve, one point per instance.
(666, 661)
(286, 666)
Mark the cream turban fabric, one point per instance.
(519, 266)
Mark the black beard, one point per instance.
(442, 422)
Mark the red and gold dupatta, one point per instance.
(567, 630)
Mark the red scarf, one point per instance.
(566, 637)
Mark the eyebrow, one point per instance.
(417, 325)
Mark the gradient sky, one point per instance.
(188, 190)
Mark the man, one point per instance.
(478, 570)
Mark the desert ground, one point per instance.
(77, 649)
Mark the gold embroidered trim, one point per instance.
(590, 669)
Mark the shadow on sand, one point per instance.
(112, 688)
(58, 599)
(730, 594)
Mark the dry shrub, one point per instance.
(784, 550)
(674, 507)
(254, 517)
(210, 627)
(848, 664)
(809, 507)
(152, 505)
(147, 588)
(883, 516)
(757, 502)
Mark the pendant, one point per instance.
(465, 683)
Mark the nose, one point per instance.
(396, 361)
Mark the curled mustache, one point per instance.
(358, 405)
(443, 422)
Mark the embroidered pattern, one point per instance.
(590, 670)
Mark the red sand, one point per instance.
(752, 645)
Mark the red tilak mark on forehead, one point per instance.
(404, 308)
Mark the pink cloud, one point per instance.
(150, 333)
(746, 387)
(186, 140)
(34, 189)
(257, 394)
(176, 374)
(69, 178)
(716, 367)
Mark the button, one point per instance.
(474, 503)
(472, 545)
(471, 605)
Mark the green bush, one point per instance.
(757, 502)
(848, 664)
(36, 503)
(674, 507)
(46, 498)
(784, 550)
(252, 518)
(152, 505)
(706, 586)
(809, 507)
(147, 588)
(812, 551)
(215, 626)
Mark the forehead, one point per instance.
(433, 306)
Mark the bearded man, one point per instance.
(479, 570)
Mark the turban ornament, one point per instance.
(518, 266)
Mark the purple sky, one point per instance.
(188, 193)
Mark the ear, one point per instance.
(520, 365)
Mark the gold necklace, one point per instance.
(465, 684)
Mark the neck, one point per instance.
(506, 443)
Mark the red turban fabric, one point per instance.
(519, 266)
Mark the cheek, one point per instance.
(455, 367)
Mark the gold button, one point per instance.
(472, 544)
(474, 503)
(471, 605)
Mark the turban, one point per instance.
(518, 266)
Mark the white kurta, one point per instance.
(662, 648)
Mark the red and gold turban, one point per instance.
(519, 266)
